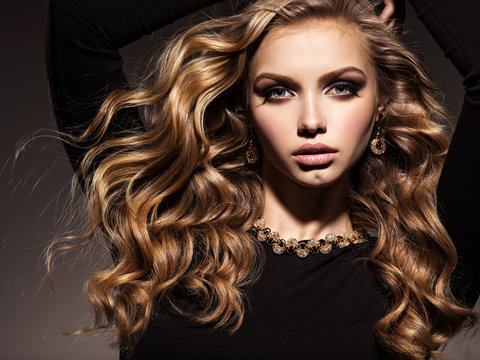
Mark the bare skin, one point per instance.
(387, 13)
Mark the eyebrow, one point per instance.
(324, 78)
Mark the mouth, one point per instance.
(317, 154)
(314, 149)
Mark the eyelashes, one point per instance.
(344, 88)
(340, 88)
(277, 93)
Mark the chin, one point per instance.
(318, 182)
(321, 178)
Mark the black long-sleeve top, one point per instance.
(322, 306)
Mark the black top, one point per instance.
(323, 306)
(320, 307)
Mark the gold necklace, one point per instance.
(304, 247)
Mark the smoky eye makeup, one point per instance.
(274, 93)
(341, 88)
(345, 87)
(273, 90)
(343, 83)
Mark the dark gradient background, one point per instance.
(34, 187)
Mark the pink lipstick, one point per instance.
(316, 154)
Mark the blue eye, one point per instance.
(344, 89)
(341, 90)
(277, 93)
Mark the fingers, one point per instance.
(391, 24)
(387, 12)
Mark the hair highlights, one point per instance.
(177, 200)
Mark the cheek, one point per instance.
(357, 122)
(269, 133)
(360, 128)
(272, 124)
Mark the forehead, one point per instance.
(321, 45)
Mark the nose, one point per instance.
(311, 119)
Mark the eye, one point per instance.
(343, 88)
(277, 93)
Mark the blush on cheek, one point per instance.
(269, 125)
(360, 125)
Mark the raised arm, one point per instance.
(455, 26)
(83, 38)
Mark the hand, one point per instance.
(393, 13)
(387, 13)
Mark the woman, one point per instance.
(270, 113)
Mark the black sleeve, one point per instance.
(83, 38)
(455, 26)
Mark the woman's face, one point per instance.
(312, 95)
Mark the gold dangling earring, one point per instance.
(252, 152)
(378, 144)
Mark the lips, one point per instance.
(316, 154)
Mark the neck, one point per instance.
(305, 213)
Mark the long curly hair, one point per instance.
(176, 201)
